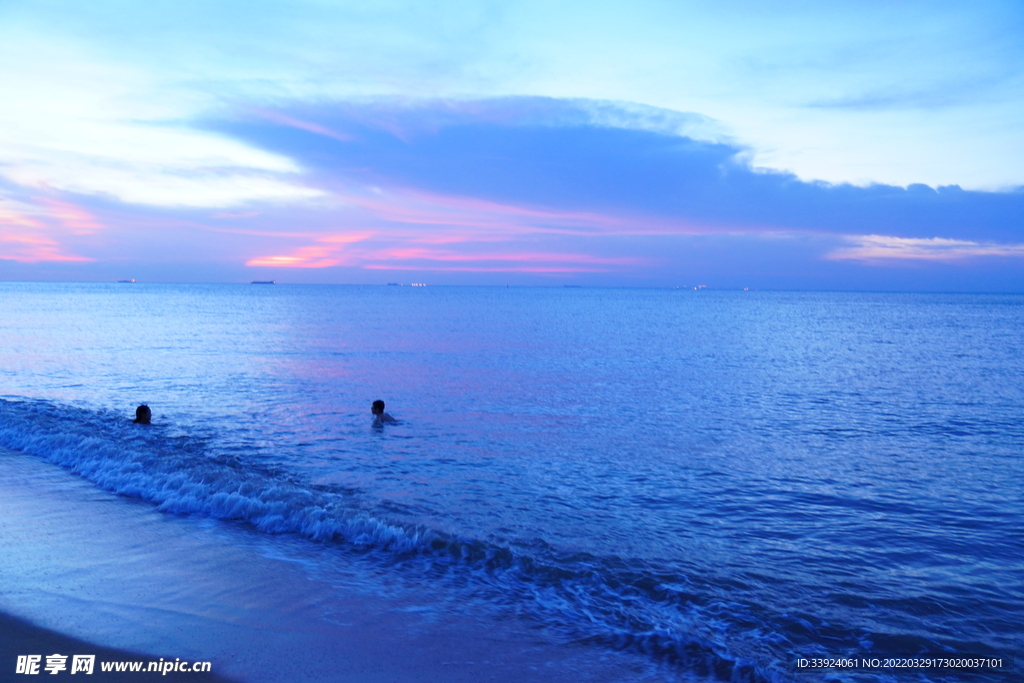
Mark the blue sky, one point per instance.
(855, 145)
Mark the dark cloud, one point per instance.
(607, 157)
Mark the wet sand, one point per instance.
(79, 564)
(19, 637)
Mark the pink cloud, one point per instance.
(304, 257)
(413, 223)
(345, 237)
(71, 216)
(327, 254)
(416, 230)
(10, 217)
(431, 218)
(413, 207)
(32, 248)
(315, 256)
(24, 237)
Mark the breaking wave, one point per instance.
(628, 605)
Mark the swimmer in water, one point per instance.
(143, 415)
(380, 418)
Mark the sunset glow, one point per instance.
(210, 155)
(30, 248)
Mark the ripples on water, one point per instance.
(723, 480)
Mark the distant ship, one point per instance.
(263, 282)
(132, 280)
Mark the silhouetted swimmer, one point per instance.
(380, 418)
(143, 415)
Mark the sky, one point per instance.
(823, 145)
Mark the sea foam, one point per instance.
(599, 600)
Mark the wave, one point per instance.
(605, 600)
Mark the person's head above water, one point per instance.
(143, 414)
(377, 408)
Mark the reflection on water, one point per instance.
(757, 472)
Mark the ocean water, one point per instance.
(708, 485)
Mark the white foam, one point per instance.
(261, 608)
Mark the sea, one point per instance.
(584, 484)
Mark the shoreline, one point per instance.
(82, 566)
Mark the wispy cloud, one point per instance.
(11, 216)
(303, 257)
(293, 122)
(874, 248)
(449, 193)
(325, 254)
(72, 216)
(433, 210)
(378, 252)
(428, 231)
(496, 261)
(29, 230)
(497, 268)
(28, 247)
(548, 257)
(78, 123)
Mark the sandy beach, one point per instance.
(87, 572)
(21, 638)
